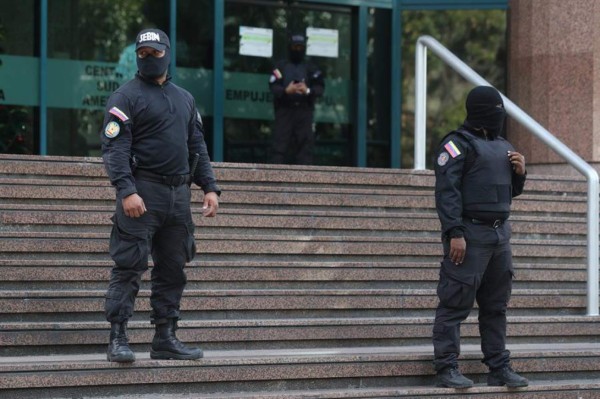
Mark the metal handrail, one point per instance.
(530, 124)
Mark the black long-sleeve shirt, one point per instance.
(160, 126)
(286, 72)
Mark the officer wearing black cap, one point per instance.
(153, 149)
(477, 175)
(295, 84)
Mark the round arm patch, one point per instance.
(112, 129)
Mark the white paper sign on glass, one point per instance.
(322, 42)
(256, 42)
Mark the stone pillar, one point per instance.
(554, 76)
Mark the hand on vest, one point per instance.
(518, 162)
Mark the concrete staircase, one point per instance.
(312, 282)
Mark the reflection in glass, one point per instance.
(195, 57)
(90, 53)
(248, 106)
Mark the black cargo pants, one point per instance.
(293, 135)
(486, 276)
(165, 231)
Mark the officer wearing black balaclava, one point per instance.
(477, 174)
(295, 84)
(153, 149)
(153, 64)
(485, 111)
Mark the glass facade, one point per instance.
(379, 88)
(248, 106)
(19, 112)
(61, 59)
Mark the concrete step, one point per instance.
(239, 221)
(86, 305)
(568, 389)
(67, 242)
(293, 198)
(277, 371)
(62, 275)
(90, 168)
(68, 337)
(315, 280)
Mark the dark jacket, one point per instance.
(285, 72)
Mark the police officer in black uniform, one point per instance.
(477, 175)
(295, 84)
(153, 149)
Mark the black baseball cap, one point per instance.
(298, 39)
(155, 38)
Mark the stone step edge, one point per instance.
(269, 238)
(28, 210)
(96, 164)
(304, 322)
(259, 187)
(535, 387)
(269, 292)
(419, 353)
(328, 265)
(405, 189)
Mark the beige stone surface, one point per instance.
(553, 74)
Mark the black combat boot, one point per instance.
(450, 377)
(118, 347)
(506, 376)
(165, 344)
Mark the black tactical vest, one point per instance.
(487, 182)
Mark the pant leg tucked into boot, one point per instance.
(166, 345)
(118, 347)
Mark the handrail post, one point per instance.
(593, 205)
(592, 243)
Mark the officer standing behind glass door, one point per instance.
(295, 84)
(477, 175)
(153, 149)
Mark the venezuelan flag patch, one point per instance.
(452, 149)
(119, 114)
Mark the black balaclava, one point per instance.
(153, 67)
(297, 56)
(485, 109)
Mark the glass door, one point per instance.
(248, 105)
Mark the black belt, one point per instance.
(176, 180)
(493, 223)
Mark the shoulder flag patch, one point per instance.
(277, 73)
(119, 114)
(452, 149)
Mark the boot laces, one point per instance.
(121, 340)
(176, 342)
